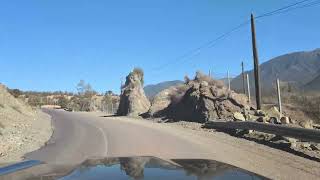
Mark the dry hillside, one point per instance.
(23, 129)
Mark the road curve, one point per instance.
(79, 136)
(74, 139)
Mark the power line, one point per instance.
(212, 43)
(301, 4)
(312, 4)
(280, 9)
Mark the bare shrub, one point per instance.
(212, 82)
(269, 99)
(186, 79)
(138, 71)
(309, 104)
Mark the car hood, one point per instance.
(127, 168)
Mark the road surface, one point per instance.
(78, 136)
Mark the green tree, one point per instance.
(63, 102)
(15, 92)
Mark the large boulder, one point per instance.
(165, 98)
(204, 99)
(133, 101)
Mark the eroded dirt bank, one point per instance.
(24, 134)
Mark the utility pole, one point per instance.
(248, 87)
(243, 78)
(229, 88)
(209, 73)
(256, 64)
(112, 107)
(279, 95)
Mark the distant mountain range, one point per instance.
(225, 81)
(153, 89)
(300, 69)
(313, 85)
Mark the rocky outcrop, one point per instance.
(165, 98)
(133, 101)
(202, 99)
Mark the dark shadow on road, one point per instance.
(114, 115)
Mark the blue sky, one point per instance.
(51, 45)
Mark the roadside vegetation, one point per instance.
(302, 105)
(84, 99)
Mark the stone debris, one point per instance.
(199, 100)
(205, 99)
(238, 116)
(306, 124)
(163, 99)
(285, 120)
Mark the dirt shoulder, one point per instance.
(25, 134)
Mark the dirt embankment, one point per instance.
(22, 128)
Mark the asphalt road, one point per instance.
(79, 136)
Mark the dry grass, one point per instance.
(300, 106)
(199, 77)
(1, 125)
(212, 82)
(16, 108)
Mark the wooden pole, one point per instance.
(229, 86)
(248, 87)
(256, 64)
(243, 78)
(279, 95)
(112, 107)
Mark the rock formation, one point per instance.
(203, 99)
(133, 101)
(199, 100)
(165, 98)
